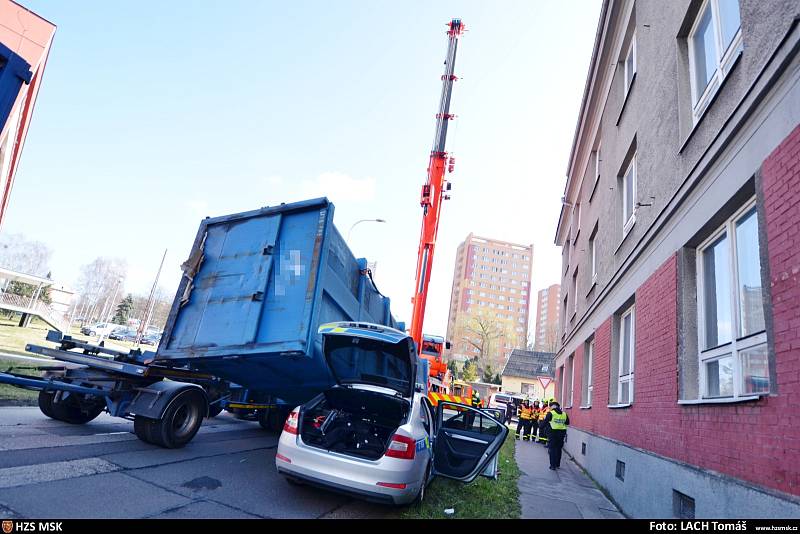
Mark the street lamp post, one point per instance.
(359, 222)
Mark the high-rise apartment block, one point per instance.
(548, 306)
(492, 279)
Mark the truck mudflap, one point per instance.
(153, 400)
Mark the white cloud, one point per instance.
(339, 187)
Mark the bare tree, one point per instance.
(486, 334)
(100, 285)
(23, 255)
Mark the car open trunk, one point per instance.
(353, 421)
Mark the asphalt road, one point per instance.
(50, 469)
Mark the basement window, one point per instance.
(620, 474)
(682, 505)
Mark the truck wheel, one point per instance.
(214, 410)
(46, 403)
(272, 419)
(143, 428)
(181, 420)
(75, 411)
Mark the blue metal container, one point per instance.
(255, 289)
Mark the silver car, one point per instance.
(375, 435)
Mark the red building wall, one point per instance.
(755, 441)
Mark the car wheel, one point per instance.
(425, 481)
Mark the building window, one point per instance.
(597, 165)
(575, 292)
(630, 64)
(593, 256)
(731, 328)
(626, 356)
(569, 381)
(714, 43)
(588, 360)
(629, 196)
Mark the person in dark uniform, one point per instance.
(510, 411)
(557, 421)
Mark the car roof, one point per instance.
(378, 332)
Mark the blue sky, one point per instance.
(153, 115)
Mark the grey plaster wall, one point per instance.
(670, 148)
(647, 489)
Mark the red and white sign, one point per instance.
(545, 382)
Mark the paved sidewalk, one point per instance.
(565, 493)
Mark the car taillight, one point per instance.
(401, 447)
(391, 485)
(291, 423)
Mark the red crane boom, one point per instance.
(435, 189)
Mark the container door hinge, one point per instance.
(268, 250)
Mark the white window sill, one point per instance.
(585, 407)
(618, 406)
(736, 400)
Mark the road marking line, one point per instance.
(33, 474)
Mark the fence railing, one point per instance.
(28, 305)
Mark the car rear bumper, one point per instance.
(349, 476)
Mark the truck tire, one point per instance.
(214, 410)
(143, 428)
(46, 403)
(75, 411)
(181, 420)
(272, 420)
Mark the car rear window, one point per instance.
(359, 360)
(502, 398)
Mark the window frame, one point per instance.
(627, 223)
(593, 257)
(738, 343)
(589, 387)
(630, 53)
(629, 378)
(575, 292)
(725, 58)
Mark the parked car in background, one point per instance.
(500, 400)
(123, 334)
(100, 329)
(375, 435)
(151, 339)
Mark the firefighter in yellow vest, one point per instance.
(557, 421)
(543, 428)
(525, 421)
(535, 421)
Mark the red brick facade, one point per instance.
(758, 442)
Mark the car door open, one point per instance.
(467, 440)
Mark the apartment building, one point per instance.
(548, 306)
(492, 279)
(680, 232)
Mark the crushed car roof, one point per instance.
(377, 332)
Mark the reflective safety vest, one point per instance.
(526, 413)
(558, 421)
(543, 413)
